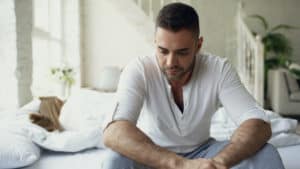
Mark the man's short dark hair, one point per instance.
(177, 16)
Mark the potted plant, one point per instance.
(277, 47)
(65, 75)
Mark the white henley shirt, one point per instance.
(145, 98)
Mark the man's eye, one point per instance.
(182, 53)
(164, 52)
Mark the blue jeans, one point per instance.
(266, 158)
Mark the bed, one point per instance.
(88, 153)
(91, 159)
(290, 156)
(88, 159)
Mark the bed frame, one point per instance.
(250, 64)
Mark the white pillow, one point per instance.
(16, 148)
(32, 106)
(109, 79)
(67, 141)
(86, 108)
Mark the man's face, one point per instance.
(175, 52)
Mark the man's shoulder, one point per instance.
(213, 63)
(142, 61)
(140, 65)
(209, 58)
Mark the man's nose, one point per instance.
(171, 60)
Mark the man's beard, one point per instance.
(180, 71)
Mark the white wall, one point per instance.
(8, 55)
(112, 36)
(109, 39)
(217, 26)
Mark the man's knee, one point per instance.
(269, 151)
(267, 158)
(114, 160)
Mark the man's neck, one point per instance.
(176, 84)
(176, 87)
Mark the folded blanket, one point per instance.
(283, 129)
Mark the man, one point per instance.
(179, 89)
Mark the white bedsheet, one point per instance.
(290, 156)
(91, 159)
(283, 129)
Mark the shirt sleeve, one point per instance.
(235, 98)
(130, 94)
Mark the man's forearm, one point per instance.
(128, 140)
(245, 141)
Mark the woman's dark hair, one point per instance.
(177, 16)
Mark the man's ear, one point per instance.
(200, 41)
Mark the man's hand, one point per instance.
(140, 148)
(124, 137)
(201, 163)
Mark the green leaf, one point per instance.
(284, 27)
(262, 20)
(271, 63)
(65, 75)
(277, 43)
(53, 71)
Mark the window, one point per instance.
(53, 42)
